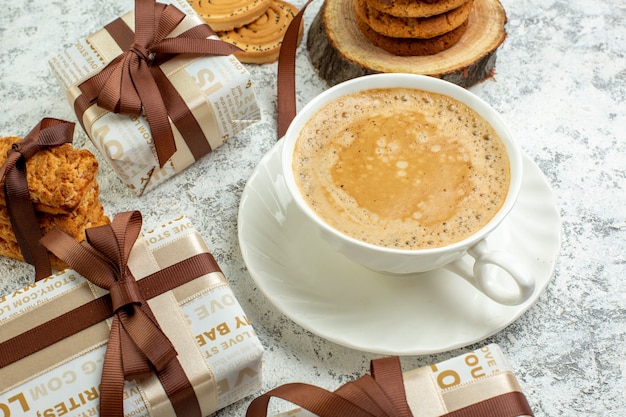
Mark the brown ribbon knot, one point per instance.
(49, 132)
(127, 85)
(380, 394)
(137, 346)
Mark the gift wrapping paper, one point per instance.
(218, 90)
(215, 341)
(447, 386)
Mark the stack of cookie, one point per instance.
(413, 27)
(255, 26)
(64, 192)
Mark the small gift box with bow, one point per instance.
(155, 90)
(142, 325)
(476, 384)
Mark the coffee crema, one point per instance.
(401, 168)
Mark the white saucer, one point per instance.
(338, 300)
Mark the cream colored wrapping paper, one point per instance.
(218, 90)
(217, 346)
(444, 387)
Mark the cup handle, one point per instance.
(483, 275)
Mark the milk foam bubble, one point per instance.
(402, 168)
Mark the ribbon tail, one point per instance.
(130, 101)
(24, 221)
(133, 360)
(156, 114)
(148, 338)
(112, 383)
(287, 73)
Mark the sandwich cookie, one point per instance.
(412, 27)
(412, 46)
(223, 15)
(415, 8)
(261, 39)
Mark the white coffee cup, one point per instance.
(483, 275)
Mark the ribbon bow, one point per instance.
(380, 394)
(137, 346)
(49, 132)
(127, 84)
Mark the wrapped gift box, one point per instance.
(451, 386)
(216, 344)
(209, 98)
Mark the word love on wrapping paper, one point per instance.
(133, 83)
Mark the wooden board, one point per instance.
(339, 51)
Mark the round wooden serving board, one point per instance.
(339, 51)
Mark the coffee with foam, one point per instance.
(401, 168)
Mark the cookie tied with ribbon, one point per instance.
(46, 183)
(49, 132)
(133, 83)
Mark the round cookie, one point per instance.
(413, 47)
(412, 27)
(261, 39)
(223, 15)
(414, 8)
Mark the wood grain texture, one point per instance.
(339, 51)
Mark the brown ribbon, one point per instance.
(137, 346)
(286, 84)
(49, 132)
(511, 404)
(380, 394)
(100, 309)
(127, 85)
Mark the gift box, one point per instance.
(63, 339)
(479, 383)
(156, 100)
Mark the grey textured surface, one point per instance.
(560, 82)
